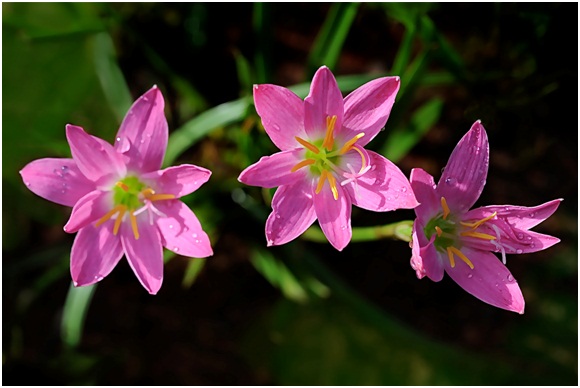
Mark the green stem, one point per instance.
(398, 231)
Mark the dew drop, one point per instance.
(278, 216)
(404, 189)
(497, 284)
(482, 182)
(27, 183)
(76, 284)
(118, 139)
(175, 249)
(520, 236)
(532, 214)
(510, 278)
(276, 127)
(450, 181)
(532, 245)
(148, 134)
(145, 98)
(469, 276)
(197, 241)
(171, 226)
(194, 235)
(64, 168)
(343, 227)
(63, 191)
(518, 251)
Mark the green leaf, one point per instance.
(194, 267)
(402, 139)
(328, 44)
(398, 231)
(263, 33)
(76, 307)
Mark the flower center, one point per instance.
(132, 197)
(449, 233)
(323, 158)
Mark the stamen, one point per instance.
(439, 231)
(308, 145)
(323, 176)
(119, 219)
(304, 163)
(328, 142)
(474, 225)
(107, 216)
(483, 236)
(446, 210)
(363, 159)
(332, 182)
(349, 144)
(451, 259)
(134, 225)
(461, 256)
(160, 197)
(122, 186)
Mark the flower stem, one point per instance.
(398, 231)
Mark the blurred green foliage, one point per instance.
(356, 318)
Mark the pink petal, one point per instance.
(89, 208)
(178, 180)
(489, 281)
(367, 109)
(143, 134)
(57, 180)
(334, 216)
(424, 188)
(181, 230)
(145, 255)
(275, 170)
(383, 188)
(95, 158)
(95, 252)
(425, 260)
(464, 176)
(282, 114)
(520, 217)
(292, 213)
(325, 100)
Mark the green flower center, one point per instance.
(323, 157)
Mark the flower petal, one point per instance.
(292, 213)
(94, 157)
(323, 101)
(424, 188)
(383, 188)
(425, 259)
(143, 134)
(464, 176)
(334, 215)
(520, 217)
(145, 255)
(94, 254)
(57, 180)
(89, 208)
(489, 280)
(367, 109)
(178, 180)
(275, 170)
(282, 114)
(181, 230)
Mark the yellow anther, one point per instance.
(349, 144)
(451, 259)
(304, 163)
(122, 186)
(483, 236)
(321, 180)
(308, 145)
(110, 214)
(134, 225)
(149, 194)
(328, 142)
(332, 182)
(474, 225)
(122, 210)
(446, 210)
(453, 250)
(439, 231)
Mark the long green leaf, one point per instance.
(398, 230)
(76, 307)
(328, 44)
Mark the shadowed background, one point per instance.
(303, 313)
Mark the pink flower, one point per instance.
(122, 202)
(449, 237)
(323, 167)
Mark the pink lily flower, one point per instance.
(448, 237)
(323, 168)
(122, 202)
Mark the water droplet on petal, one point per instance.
(145, 98)
(27, 183)
(64, 168)
(532, 214)
(510, 278)
(175, 249)
(76, 284)
(450, 181)
(171, 226)
(520, 236)
(469, 276)
(404, 189)
(198, 241)
(194, 235)
(343, 227)
(518, 251)
(118, 139)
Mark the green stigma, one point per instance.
(126, 192)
